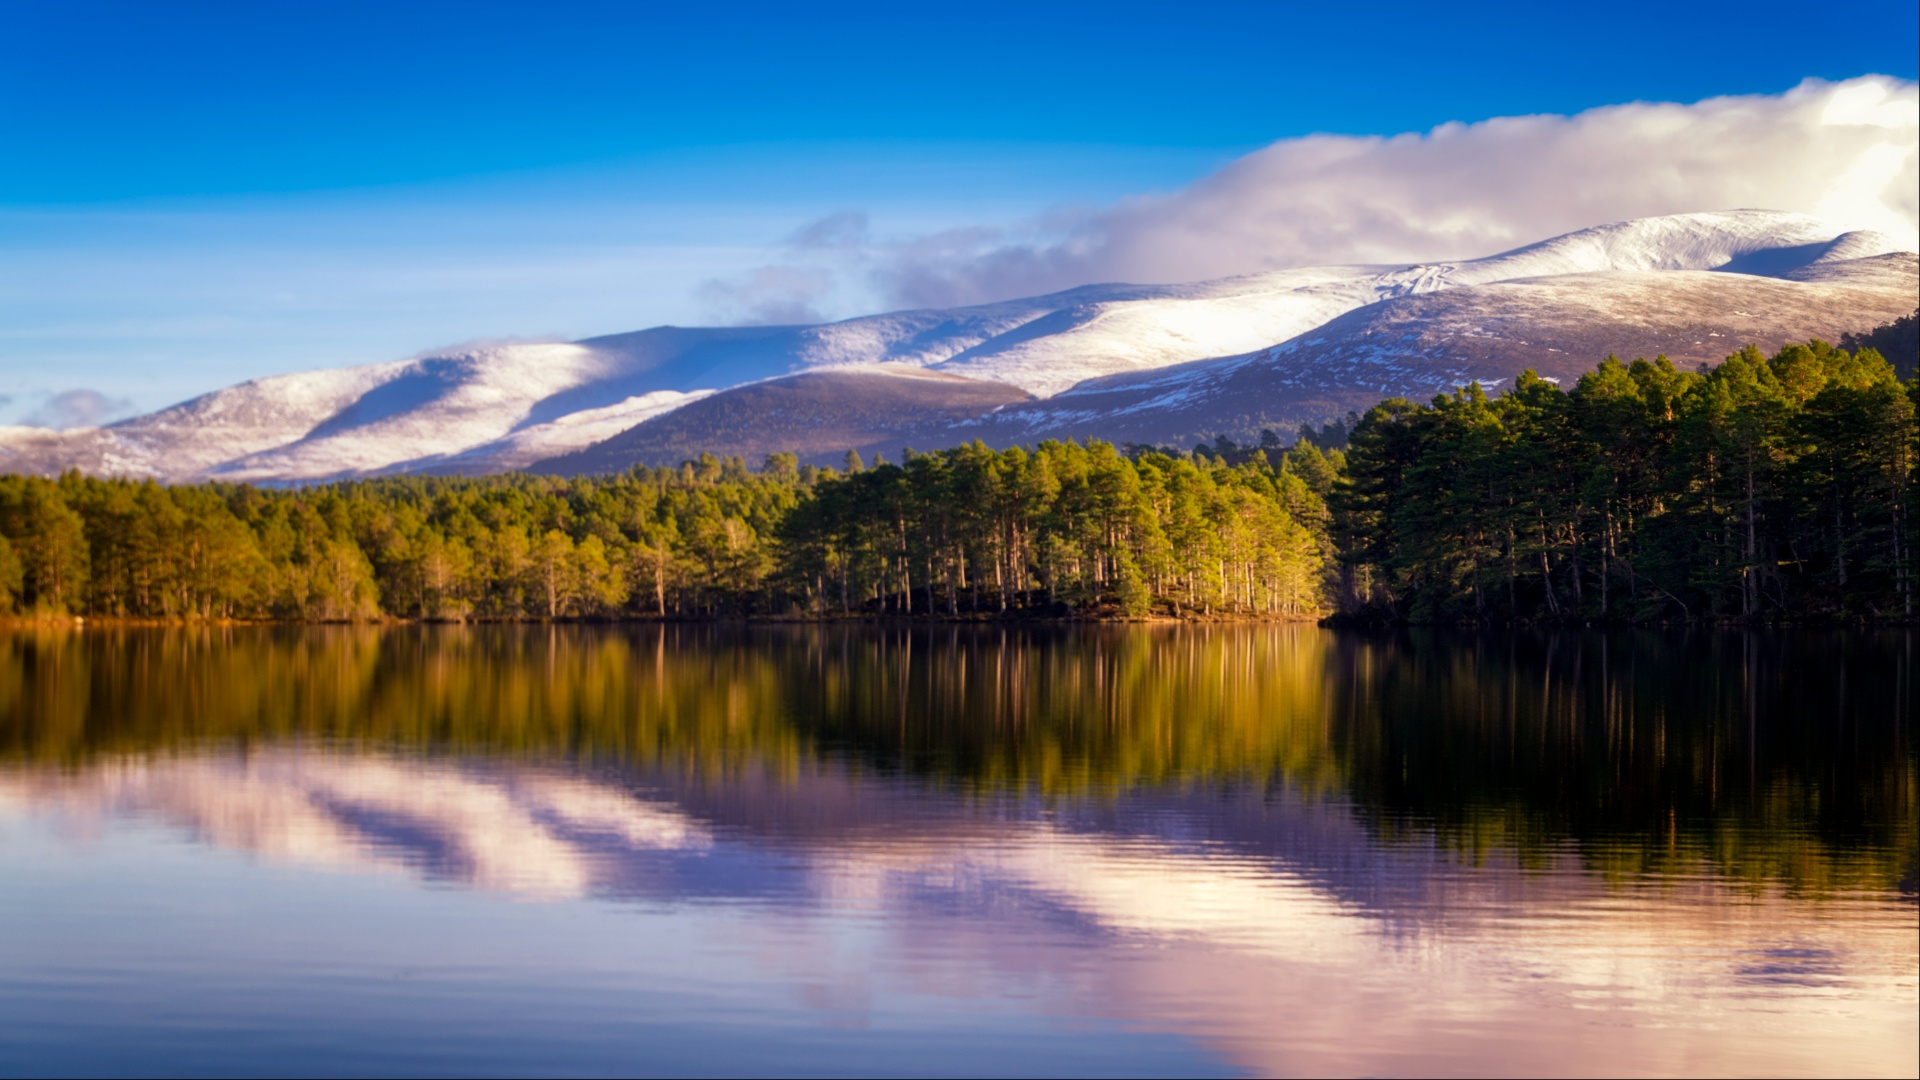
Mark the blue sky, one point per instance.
(196, 193)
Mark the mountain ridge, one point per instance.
(517, 406)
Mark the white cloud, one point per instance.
(1847, 151)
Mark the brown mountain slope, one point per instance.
(819, 415)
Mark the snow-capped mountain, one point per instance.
(1119, 361)
(1418, 346)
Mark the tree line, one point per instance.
(1058, 529)
(1768, 487)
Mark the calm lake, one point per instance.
(960, 851)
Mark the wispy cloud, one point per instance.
(76, 408)
(1847, 151)
(780, 295)
(842, 231)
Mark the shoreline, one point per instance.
(983, 619)
(1328, 622)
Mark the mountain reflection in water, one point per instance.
(1303, 851)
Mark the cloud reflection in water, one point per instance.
(1301, 943)
(532, 833)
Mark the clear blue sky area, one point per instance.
(113, 101)
(195, 193)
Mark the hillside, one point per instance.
(819, 415)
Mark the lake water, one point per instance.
(948, 850)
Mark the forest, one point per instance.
(1767, 487)
(1060, 529)
(1777, 487)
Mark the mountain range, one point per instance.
(1136, 363)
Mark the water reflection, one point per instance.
(522, 830)
(1783, 757)
(1307, 851)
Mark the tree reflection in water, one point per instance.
(1785, 757)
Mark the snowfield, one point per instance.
(1101, 352)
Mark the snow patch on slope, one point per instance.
(439, 404)
(565, 435)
